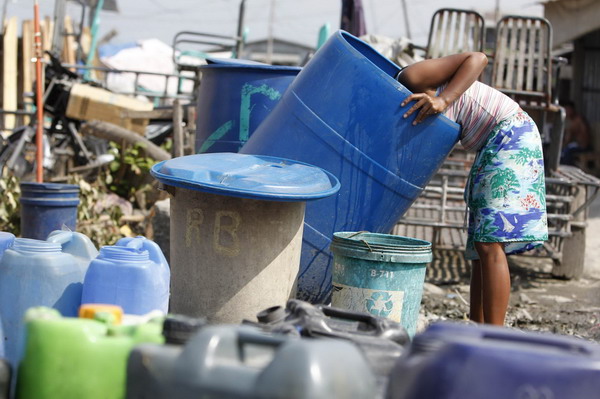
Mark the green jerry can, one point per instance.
(67, 357)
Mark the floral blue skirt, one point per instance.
(506, 192)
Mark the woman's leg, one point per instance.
(476, 308)
(495, 281)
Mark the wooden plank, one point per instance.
(47, 31)
(467, 26)
(522, 48)
(86, 42)
(47, 28)
(28, 70)
(477, 39)
(434, 51)
(178, 150)
(530, 60)
(166, 113)
(499, 59)
(447, 18)
(514, 32)
(541, 62)
(9, 61)
(69, 47)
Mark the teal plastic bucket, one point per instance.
(381, 274)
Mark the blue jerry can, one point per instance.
(133, 274)
(455, 360)
(41, 273)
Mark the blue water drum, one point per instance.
(46, 207)
(234, 98)
(499, 362)
(6, 241)
(133, 274)
(36, 273)
(342, 113)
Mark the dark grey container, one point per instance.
(235, 362)
(381, 340)
(5, 374)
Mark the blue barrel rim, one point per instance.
(348, 39)
(49, 187)
(50, 202)
(230, 63)
(245, 193)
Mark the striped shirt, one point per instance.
(478, 110)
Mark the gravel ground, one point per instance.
(538, 301)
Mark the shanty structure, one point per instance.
(578, 21)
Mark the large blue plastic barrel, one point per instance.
(342, 113)
(234, 97)
(38, 273)
(133, 274)
(46, 207)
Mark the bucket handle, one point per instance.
(363, 241)
(357, 233)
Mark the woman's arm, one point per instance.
(423, 78)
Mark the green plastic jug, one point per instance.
(79, 358)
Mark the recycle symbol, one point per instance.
(380, 304)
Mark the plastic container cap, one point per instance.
(247, 176)
(92, 310)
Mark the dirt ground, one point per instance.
(538, 301)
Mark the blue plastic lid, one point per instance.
(247, 176)
(238, 63)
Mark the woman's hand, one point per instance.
(429, 105)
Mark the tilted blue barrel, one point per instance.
(342, 113)
(234, 98)
(46, 207)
